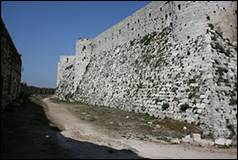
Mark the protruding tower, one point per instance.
(83, 53)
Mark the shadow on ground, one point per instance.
(27, 133)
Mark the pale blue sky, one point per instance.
(42, 31)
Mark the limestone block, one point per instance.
(174, 141)
(223, 142)
(187, 139)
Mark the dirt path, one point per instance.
(81, 130)
(26, 133)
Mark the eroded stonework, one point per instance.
(169, 59)
(11, 64)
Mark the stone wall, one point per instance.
(182, 65)
(153, 17)
(190, 18)
(82, 59)
(10, 69)
(66, 76)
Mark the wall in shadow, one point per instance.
(27, 133)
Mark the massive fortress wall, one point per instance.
(187, 18)
(153, 17)
(168, 59)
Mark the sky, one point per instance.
(43, 31)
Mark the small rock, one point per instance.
(220, 141)
(149, 122)
(223, 142)
(157, 126)
(228, 142)
(187, 139)
(175, 141)
(234, 142)
(196, 137)
(110, 122)
(184, 128)
(205, 142)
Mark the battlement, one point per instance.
(83, 46)
(64, 62)
(66, 59)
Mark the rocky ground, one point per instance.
(45, 128)
(146, 136)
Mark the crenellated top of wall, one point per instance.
(189, 19)
(64, 62)
(66, 59)
(192, 18)
(83, 45)
(153, 17)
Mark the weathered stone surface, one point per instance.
(164, 60)
(187, 139)
(197, 140)
(10, 69)
(196, 137)
(223, 142)
(174, 141)
(205, 142)
(202, 142)
(234, 141)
